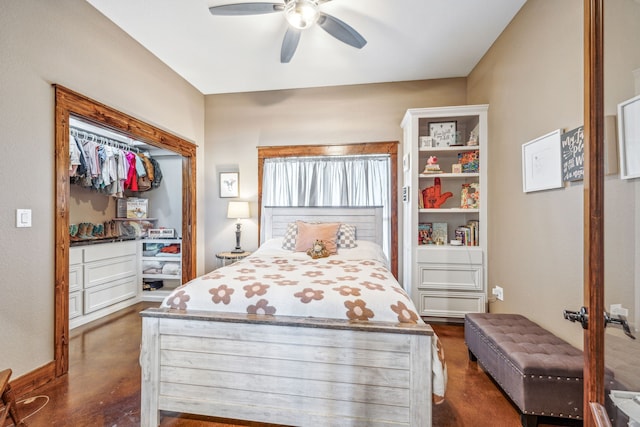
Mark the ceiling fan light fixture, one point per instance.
(301, 14)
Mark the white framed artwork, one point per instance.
(629, 138)
(229, 184)
(542, 163)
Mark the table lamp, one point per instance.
(238, 210)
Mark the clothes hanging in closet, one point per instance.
(97, 163)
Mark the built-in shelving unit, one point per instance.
(160, 263)
(445, 280)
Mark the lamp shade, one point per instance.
(238, 210)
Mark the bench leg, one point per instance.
(529, 420)
(472, 356)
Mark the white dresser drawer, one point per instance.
(75, 304)
(102, 296)
(75, 255)
(99, 272)
(109, 250)
(462, 277)
(450, 304)
(449, 254)
(76, 277)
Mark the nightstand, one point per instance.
(230, 257)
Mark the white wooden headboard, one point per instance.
(367, 220)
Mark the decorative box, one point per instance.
(132, 207)
(161, 233)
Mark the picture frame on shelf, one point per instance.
(426, 142)
(439, 233)
(542, 163)
(229, 184)
(629, 138)
(443, 133)
(425, 230)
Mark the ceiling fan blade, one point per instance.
(246, 9)
(340, 30)
(289, 44)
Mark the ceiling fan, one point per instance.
(301, 15)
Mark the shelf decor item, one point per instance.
(469, 161)
(426, 141)
(425, 231)
(439, 233)
(432, 165)
(443, 134)
(470, 196)
(433, 197)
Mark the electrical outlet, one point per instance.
(498, 292)
(618, 310)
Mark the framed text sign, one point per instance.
(443, 133)
(572, 143)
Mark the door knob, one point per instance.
(577, 316)
(583, 317)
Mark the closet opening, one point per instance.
(112, 222)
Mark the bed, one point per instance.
(375, 364)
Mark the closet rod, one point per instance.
(83, 134)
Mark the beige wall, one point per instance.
(532, 78)
(238, 123)
(69, 43)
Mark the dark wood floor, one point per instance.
(103, 384)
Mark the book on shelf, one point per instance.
(470, 161)
(467, 235)
(425, 230)
(420, 200)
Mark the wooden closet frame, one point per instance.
(70, 103)
(389, 148)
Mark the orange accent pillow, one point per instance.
(309, 233)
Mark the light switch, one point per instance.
(23, 217)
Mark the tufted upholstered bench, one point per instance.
(541, 373)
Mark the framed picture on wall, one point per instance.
(629, 138)
(229, 184)
(542, 163)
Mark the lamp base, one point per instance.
(238, 249)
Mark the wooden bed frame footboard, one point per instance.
(285, 370)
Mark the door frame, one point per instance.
(593, 206)
(69, 103)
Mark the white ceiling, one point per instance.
(407, 40)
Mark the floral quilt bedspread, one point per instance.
(326, 287)
(335, 288)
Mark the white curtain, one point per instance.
(329, 181)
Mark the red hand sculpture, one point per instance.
(432, 196)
